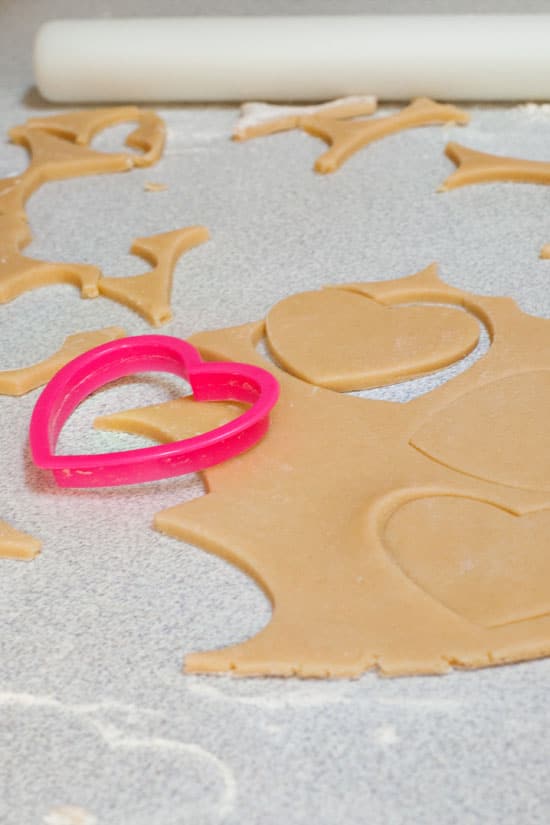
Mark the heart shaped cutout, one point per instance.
(210, 381)
(482, 562)
(497, 432)
(345, 341)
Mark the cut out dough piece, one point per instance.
(53, 158)
(18, 273)
(347, 137)
(258, 119)
(479, 560)
(149, 294)
(25, 379)
(17, 545)
(479, 167)
(478, 433)
(344, 341)
(171, 420)
(80, 127)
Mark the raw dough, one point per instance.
(25, 379)
(18, 273)
(479, 167)
(149, 136)
(149, 294)
(346, 341)
(347, 137)
(52, 158)
(487, 554)
(58, 145)
(150, 186)
(343, 521)
(172, 420)
(82, 126)
(17, 545)
(257, 119)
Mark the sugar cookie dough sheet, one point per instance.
(97, 721)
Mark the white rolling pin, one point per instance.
(465, 57)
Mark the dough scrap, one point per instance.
(346, 341)
(82, 126)
(345, 137)
(25, 379)
(343, 522)
(258, 119)
(149, 294)
(58, 148)
(172, 420)
(149, 136)
(17, 545)
(151, 186)
(479, 167)
(19, 273)
(52, 158)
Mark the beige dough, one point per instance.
(52, 158)
(400, 342)
(149, 136)
(17, 545)
(258, 119)
(58, 145)
(151, 186)
(149, 294)
(372, 552)
(346, 137)
(172, 420)
(479, 167)
(25, 379)
(81, 127)
(18, 273)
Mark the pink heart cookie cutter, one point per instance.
(209, 380)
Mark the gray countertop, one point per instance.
(95, 712)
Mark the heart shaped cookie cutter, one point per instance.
(209, 380)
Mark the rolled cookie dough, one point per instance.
(346, 137)
(479, 167)
(149, 294)
(25, 379)
(18, 273)
(17, 545)
(372, 552)
(258, 119)
(82, 126)
(52, 158)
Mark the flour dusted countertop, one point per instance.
(98, 726)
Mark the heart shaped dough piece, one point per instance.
(345, 341)
(486, 564)
(498, 432)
